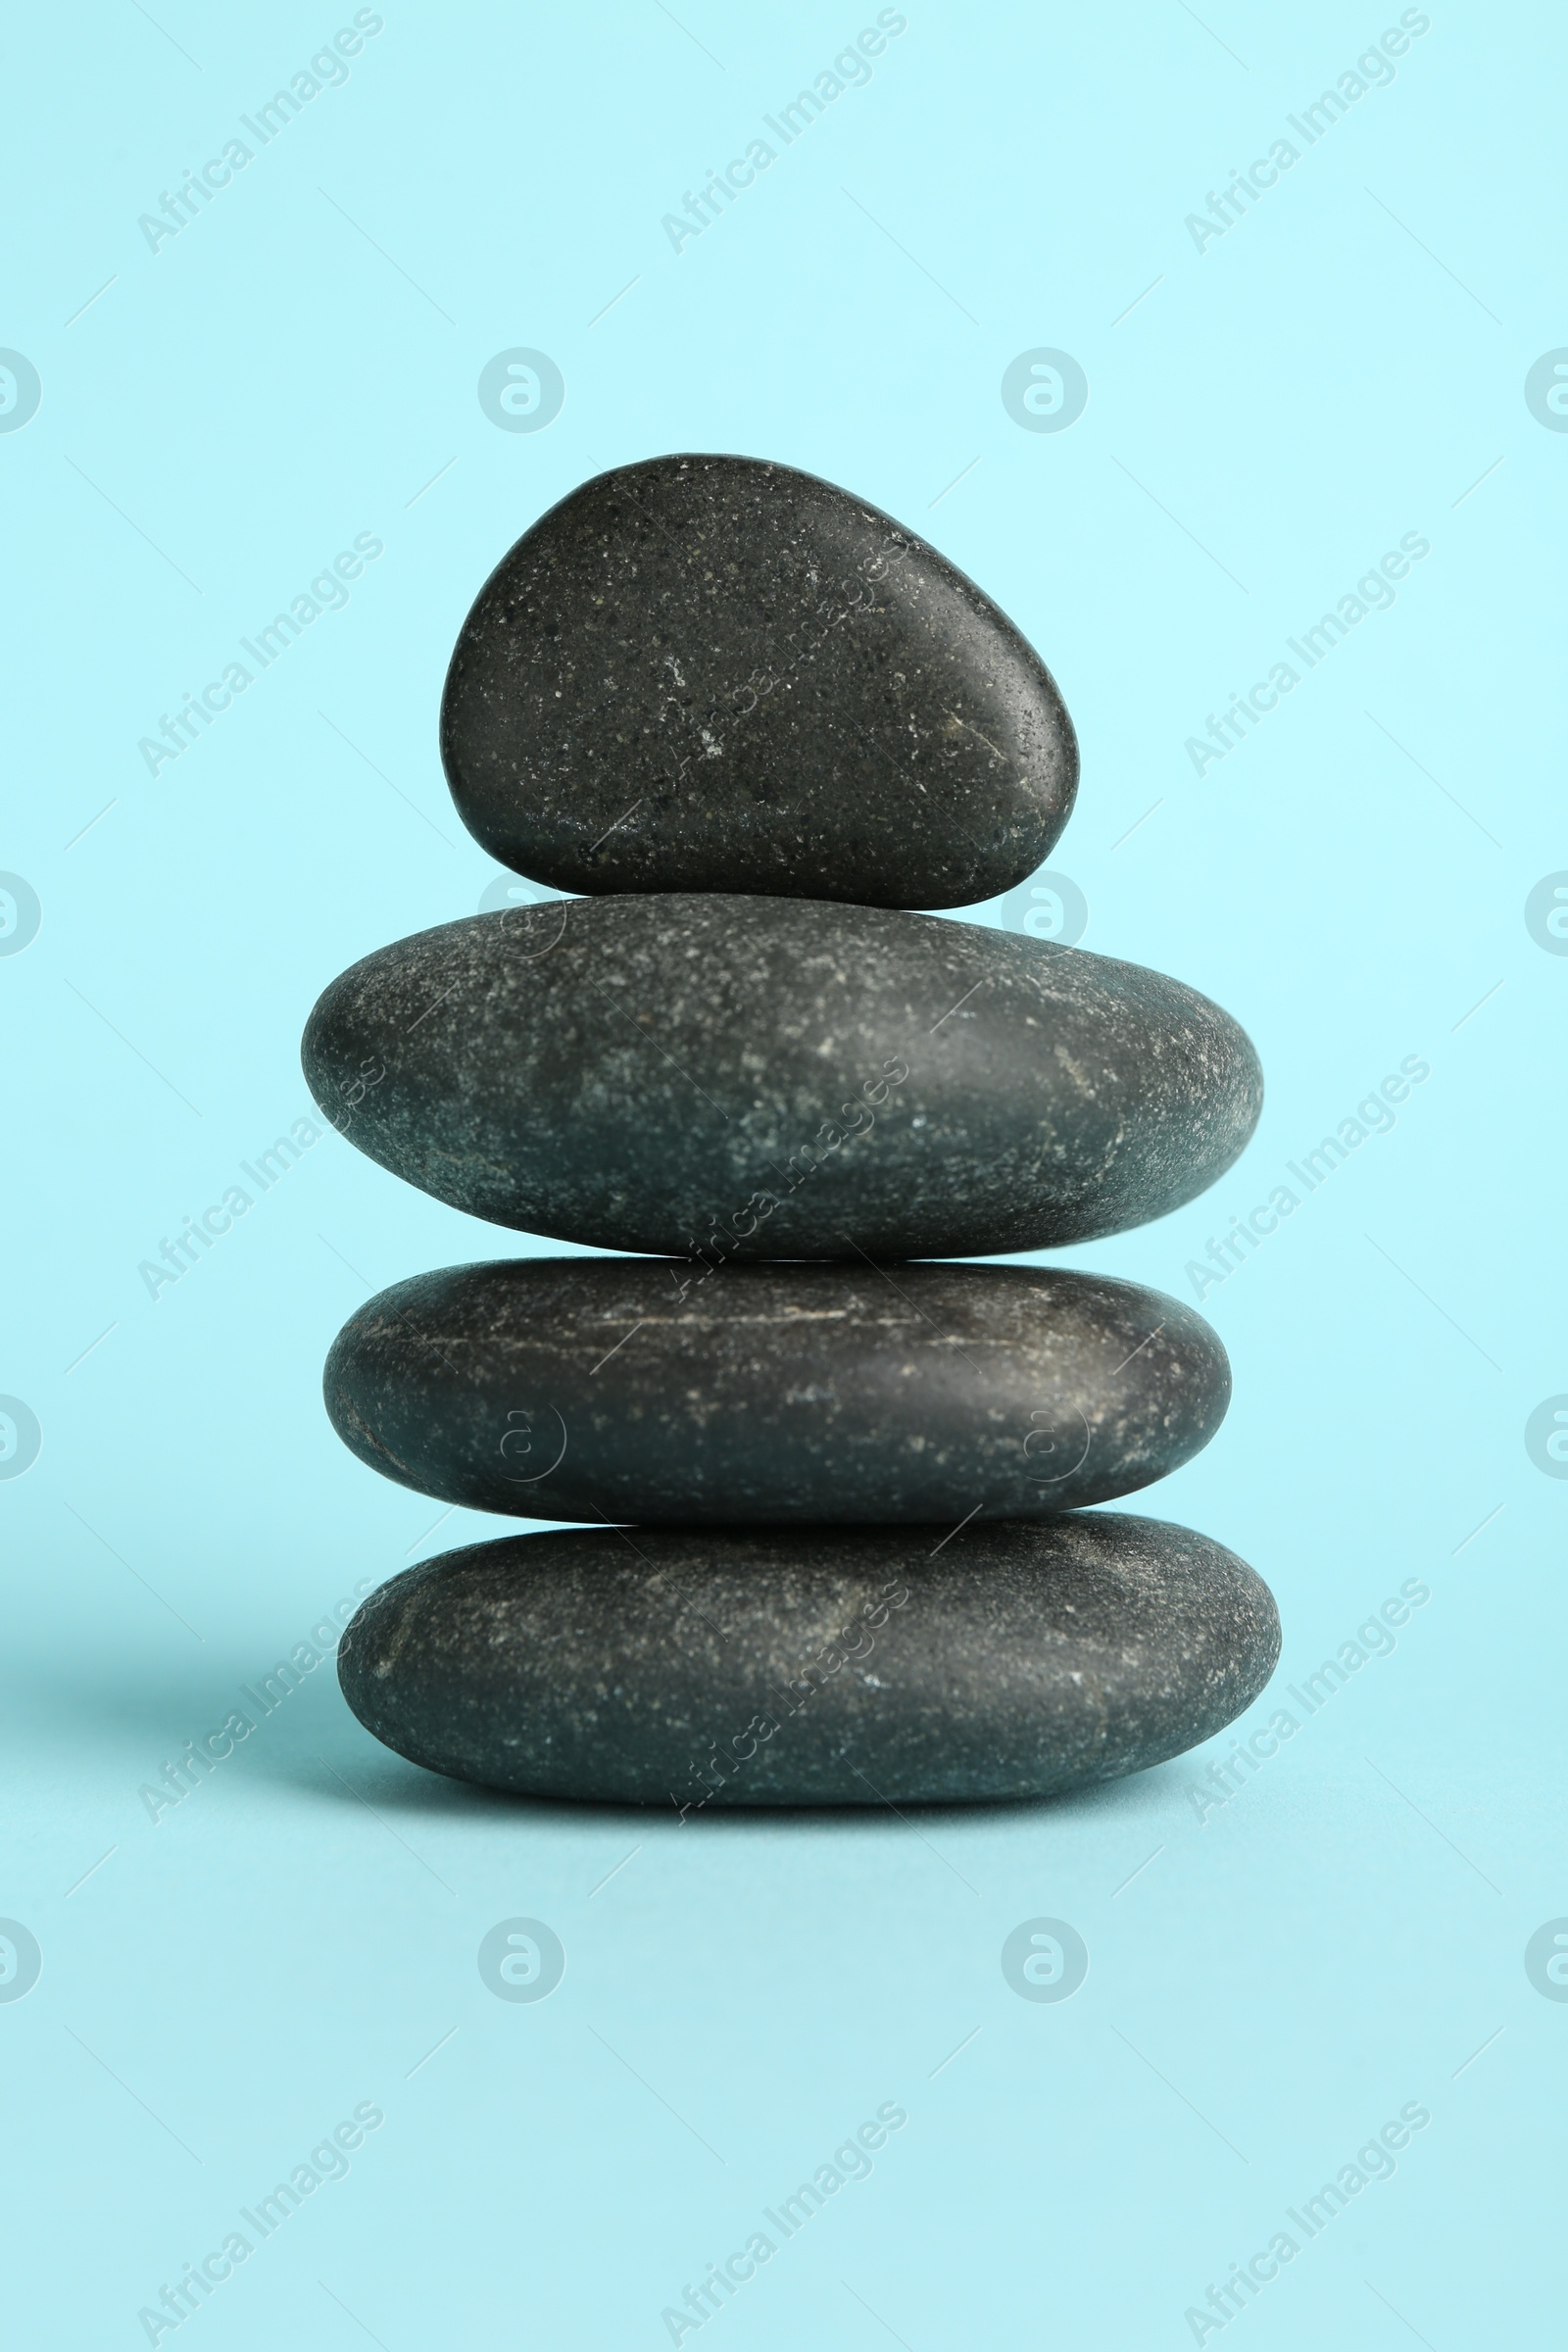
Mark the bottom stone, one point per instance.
(818, 1666)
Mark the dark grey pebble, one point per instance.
(751, 1078)
(680, 1667)
(712, 673)
(589, 1388)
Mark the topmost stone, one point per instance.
(712, 673)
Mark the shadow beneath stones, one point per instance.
(390, 1783)
(131, 1717)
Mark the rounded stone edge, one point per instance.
(336, 1092)
(566, 877)
(1248, 1686)
(404, 1298)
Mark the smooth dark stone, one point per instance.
(587, 1388)
(645, 1665)
(780, 1078)
(712, 673)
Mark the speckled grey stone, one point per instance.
(780, 1078)
(588, 1388)
(646, 1666)
(712, 673)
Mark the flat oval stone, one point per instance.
(712, 673)
(826, 1665)
(627, 1388)
(757, 1078)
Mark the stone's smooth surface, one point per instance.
(673, 1666)
(623, 1389)
(712, 673)
(780, 1078)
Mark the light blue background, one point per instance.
(1342, 367)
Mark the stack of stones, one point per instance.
(829, 1543)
